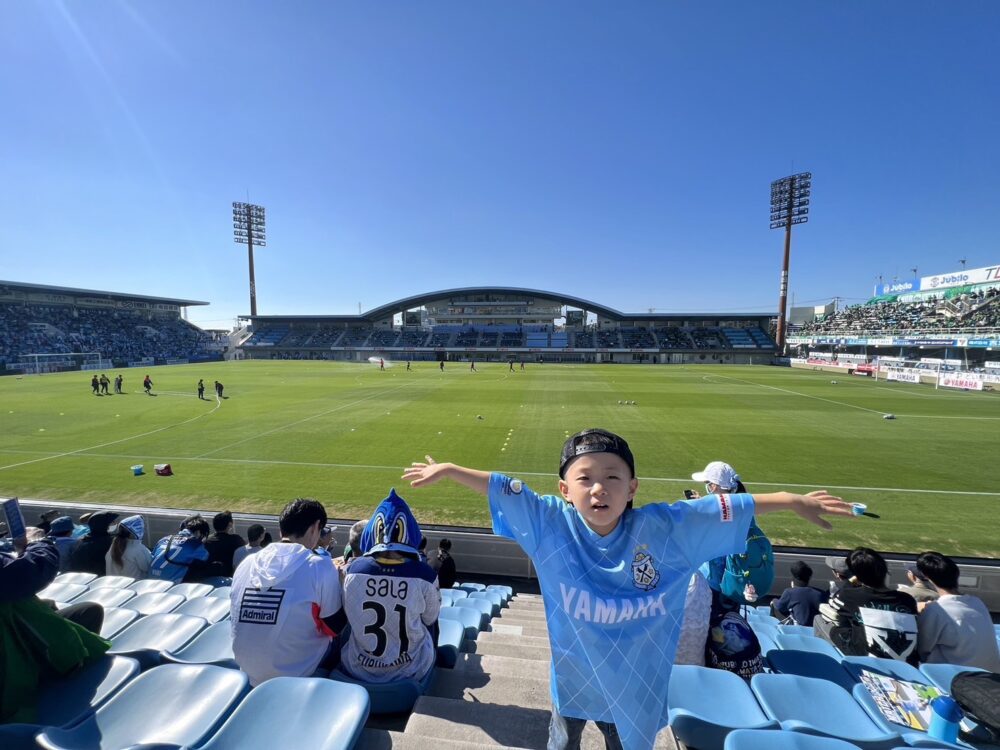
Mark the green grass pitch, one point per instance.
(343, 432)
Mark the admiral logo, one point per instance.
(725, 509)
(260, 607)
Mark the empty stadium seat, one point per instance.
(116, 620)
(707, 704)
(448, 597)
(819, 707)
(506, 591)
(65, 702)
(494, 598)
(326, 715)
(796, 630)
(451, 634)
(154, 604)
(211, 608)
(84, 579)
(470, 586)
(150, 586)
(214, 645)
(111, 582)
(752, 739)
(767, 643)
(482, 606)
(389, 697)
(148, 637)
(810, 664)
(217, 581)
(192, 590)
(469, 619)
(807, 643)
(222, 592)
(62, 593)
(106, 597)
(941, 675)
(156, 708)
(889, 667)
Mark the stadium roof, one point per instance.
(98, 293)
(419, 300)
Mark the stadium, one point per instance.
(333, 407)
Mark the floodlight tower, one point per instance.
(248, 229)
(789, 205)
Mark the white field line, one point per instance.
(218, 404)
(377, 467)
(305, 419)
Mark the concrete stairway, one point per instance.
(497, 696)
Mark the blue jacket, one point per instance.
(25, 576)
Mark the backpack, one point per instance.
(732, 645)
(754, 567)
(978, 695)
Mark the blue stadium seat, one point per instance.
(811, 706)
(471, 586)
(482, 606)
(767, 644)
(807, 643)
(889, 667)
(84, 579)
(111, 582)
(450, 637)
(192, 590)
(810, 664)
(389, 697)
(326, 715)
(214, 645)
(448, 597)
(68, 701)
(62, 593)
(458, 593)
(150, 586)
(222, 592)
(211, 608)
(506, 591)
(941, 675)
(217, 581)
(156, 708)
(106, 597)
(707, 704)
(796, 630)
(147, 637)
(495, 600)
(116, 620)
(154, 604)
(912, 737)
(469, 619)
(753, 739)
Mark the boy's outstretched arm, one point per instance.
(420, 474)
(811, 507)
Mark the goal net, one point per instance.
(37, 364)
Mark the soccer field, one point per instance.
(343, 432)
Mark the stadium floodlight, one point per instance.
(249, 230)
(789, 206)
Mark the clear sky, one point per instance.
(616, 151)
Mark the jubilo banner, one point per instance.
(972, 276)
(966, 381)
(903, 376)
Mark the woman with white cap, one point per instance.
(128, 556)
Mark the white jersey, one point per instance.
(278, 599)
(390, 605)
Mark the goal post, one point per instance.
(39, 363)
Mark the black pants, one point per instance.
(86, 614)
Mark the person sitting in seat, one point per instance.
(255, 538)
(128, 556)
(918, 585)
(444, 564)
(222, 545)
(801, 601)
(61, 534)
(89, 554)
(391, 600)
(285, 604)
(867, 618)
(182, 556)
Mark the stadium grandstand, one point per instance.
(52, 329)
(503, 323)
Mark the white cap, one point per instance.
(719, 473)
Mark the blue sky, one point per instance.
(617, 151)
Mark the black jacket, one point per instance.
(25, 576)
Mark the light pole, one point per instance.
(962, 261)
(248, 229)
(789, 205)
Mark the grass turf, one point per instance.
(342, 433)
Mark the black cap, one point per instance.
(594, 441)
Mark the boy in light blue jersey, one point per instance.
(613, 577)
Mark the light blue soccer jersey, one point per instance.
(614, 604)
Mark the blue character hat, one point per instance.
(392, 528)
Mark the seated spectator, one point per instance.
(182, 556)
(325, 540)
(957, 628)
(285, 604)
(61, 534)
(354, 540)
(801, 601)
(255, 535)
(919, 587)
(128, 556)
(391, 600)
(444, 564)
(222, 545)
(89, 555)
(694, 626)
(866, 617)
(841, 574)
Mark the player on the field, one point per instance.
(95, 386)
(441, 364)
(381, 364)
(118, 383)
(201, 389)
(147, 384)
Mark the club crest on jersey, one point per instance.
(645, 576)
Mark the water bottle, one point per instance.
(945, 715)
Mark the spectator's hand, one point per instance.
(420, 474)
(815, 505)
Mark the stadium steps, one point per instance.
(518, 691)
(507, 666)
(380, 739)
(505, 649)
(513, 640)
